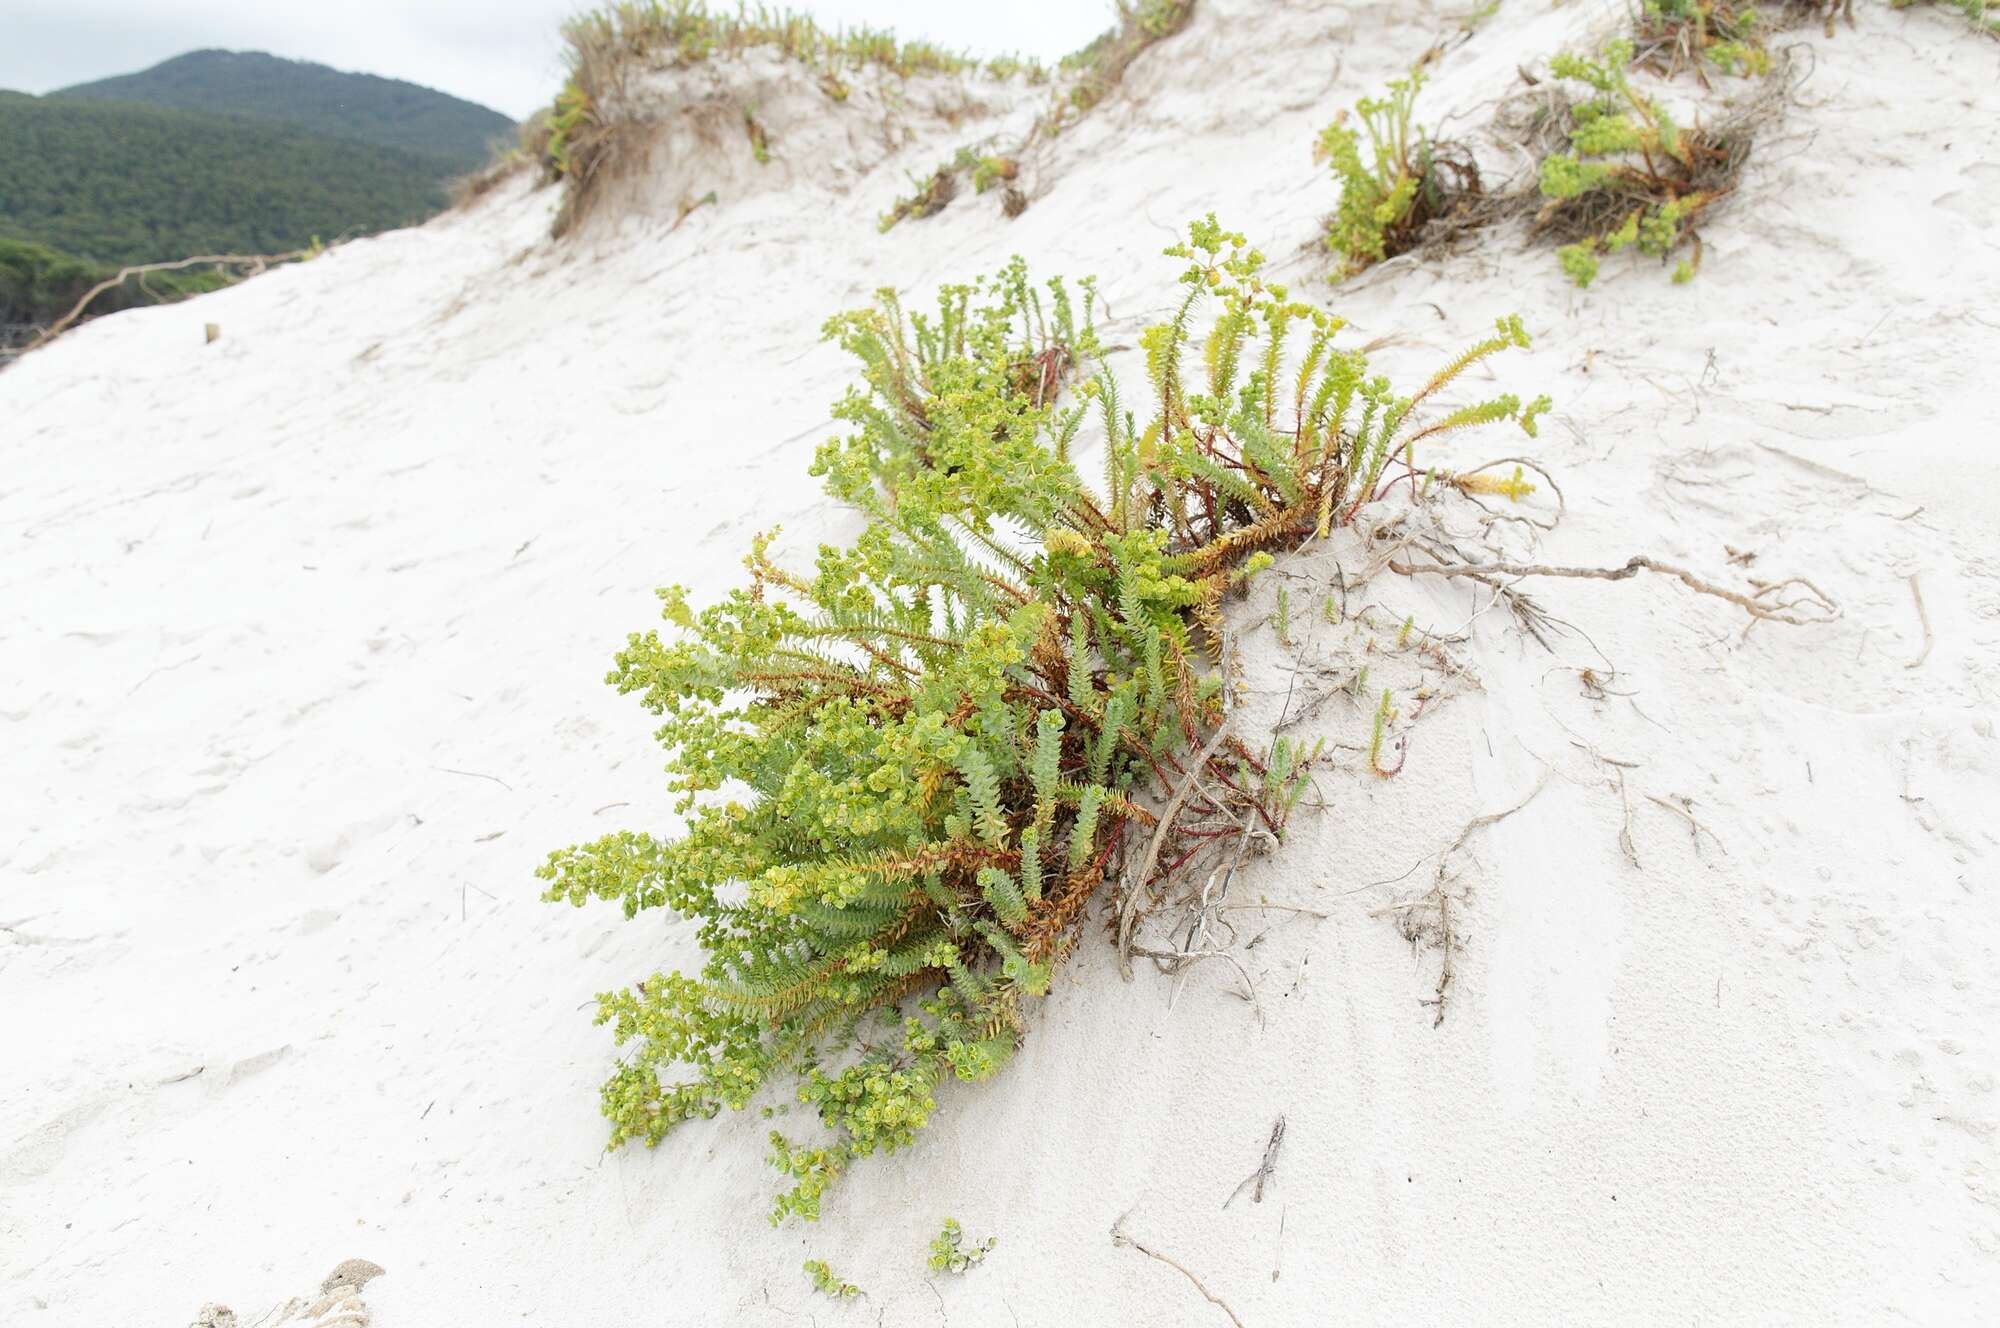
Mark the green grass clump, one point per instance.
(906, 769)
(1404, 181)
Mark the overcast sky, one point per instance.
(505, 53)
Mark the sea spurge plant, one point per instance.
(950, 1253)
(1632, 178)
(1394, 183)
(906, 768)
(829, 1283)
(1728, 34)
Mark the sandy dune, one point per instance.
(301, 636)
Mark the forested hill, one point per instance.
(117, 182)
(386, 112)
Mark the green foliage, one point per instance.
(116, 183)
(1729, 34)
(1404, 179)
(1631, 178)
(568, 123)
(760, 142)
(950, 1253)
(452, 134)
(1375, 195)
(904, 771)
(933, 194)
(990, 171)
(39, 285)
(1100, 66)
(935, 191)
(1579, 261)
(1982, 14)
(827, 1283)
(1383, 714)
(606, 45)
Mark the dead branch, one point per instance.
(1824, 610)
(1685, 810)
(255, 262)
(1118, 1237)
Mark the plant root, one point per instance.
(1445, 935)
(1813, 607)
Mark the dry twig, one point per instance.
(1265, 1169)
(1685, 810)
(1118, 1237)
(1924, 617)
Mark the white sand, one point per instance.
(300, 644)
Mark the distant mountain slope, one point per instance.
(359, 107)
(121, 183)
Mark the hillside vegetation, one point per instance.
(116, 183)
(454, 133)
(38, 285)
